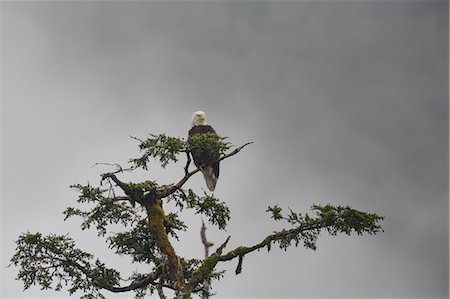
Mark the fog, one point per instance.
(346, 103)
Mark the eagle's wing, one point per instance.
(206, 160)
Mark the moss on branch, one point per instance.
(204, 271)
(333, 219)
(53, 261)
(156, 218)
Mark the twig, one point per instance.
(237, 150)
(135, 138)
(188, 162)
(205, 241)
(239, 265)
(120, 198)
(221, 247)
(118, 166)
(118, 182)
(159, 288)
(206, 244)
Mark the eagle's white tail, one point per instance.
(210, 177)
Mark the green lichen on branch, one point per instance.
(156, 217)
(204, 271)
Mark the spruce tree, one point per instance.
(149, 230)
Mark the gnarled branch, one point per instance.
(306, 229)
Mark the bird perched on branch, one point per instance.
(205, 156)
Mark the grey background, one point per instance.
(347, 103)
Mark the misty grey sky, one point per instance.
(347, 103)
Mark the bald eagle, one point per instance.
(207, 160)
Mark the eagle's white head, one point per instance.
(198, 118)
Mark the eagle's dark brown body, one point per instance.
(206, 160)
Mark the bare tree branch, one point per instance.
(188, 162)
(159, 288)
(113, 177)
(120, 198)
(137, 284)
(119, 168)
(205, 241)
(221, 247)
(234, 152)
(206, 244)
